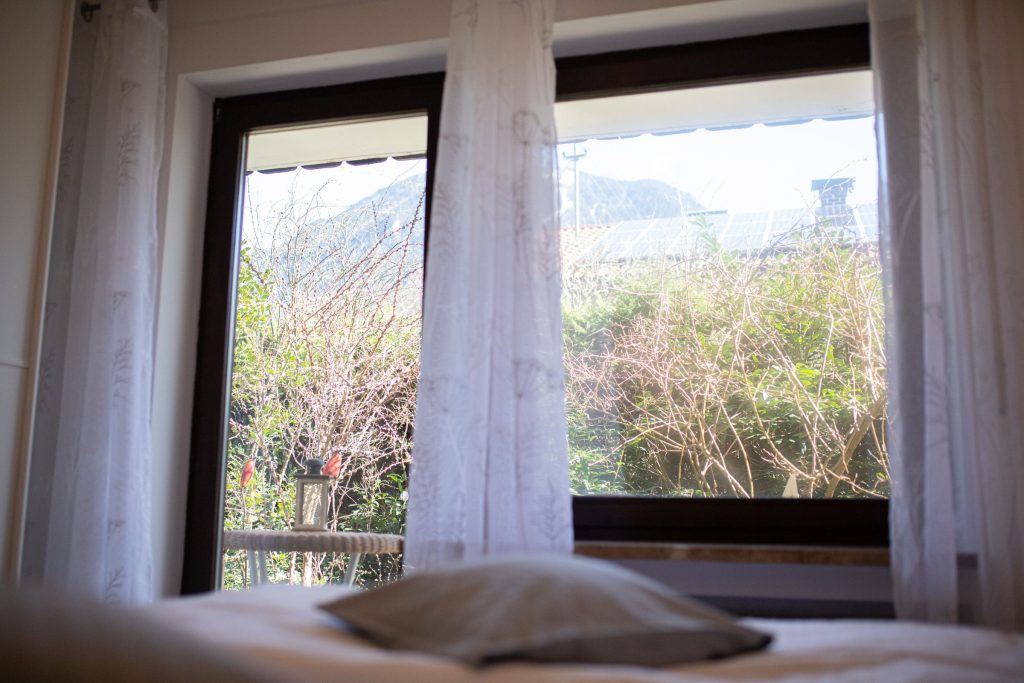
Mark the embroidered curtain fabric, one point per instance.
(950, 88)
(490, 463)
(88, 522)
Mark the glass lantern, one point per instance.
(311, 498)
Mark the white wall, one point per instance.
(34, 38)
(232, 47)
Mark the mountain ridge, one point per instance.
(603, 200)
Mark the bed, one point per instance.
(280, 630)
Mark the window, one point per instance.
(722, 291)
(614, 233)
(286, 260)
(327, 335)
(645, 269)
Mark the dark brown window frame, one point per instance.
(608, 518)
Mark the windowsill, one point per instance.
(721, 552)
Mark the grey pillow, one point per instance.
(544, 607)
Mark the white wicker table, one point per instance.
(256, 543)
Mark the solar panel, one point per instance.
(688, 236)
(620, 241)
(785, 220)
(867, 219)
(658, 239)
(745, 231)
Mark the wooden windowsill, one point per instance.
(713, 552)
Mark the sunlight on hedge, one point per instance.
(729, 375)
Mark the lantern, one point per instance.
(311, 498)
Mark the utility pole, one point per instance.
(575, 159)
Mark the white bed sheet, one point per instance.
(280, 628)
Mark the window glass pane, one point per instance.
(722, 296)
(327, 336)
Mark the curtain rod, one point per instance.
(87, 9)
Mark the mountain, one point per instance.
(389, 208)
(371, 234)
(603, 201)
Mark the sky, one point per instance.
(745, 169)
(338, 187)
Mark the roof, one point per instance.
(688, 236)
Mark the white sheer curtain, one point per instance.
(490, 464)
(950, 87)
(88, 523)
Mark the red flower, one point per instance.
(247, 472)
(333, 466)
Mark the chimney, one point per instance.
(832, 207)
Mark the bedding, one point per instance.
(47, 637)
(281, 630)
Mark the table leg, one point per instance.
(261, 559)
(257, 560)
(250, 560)
(350, 570)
